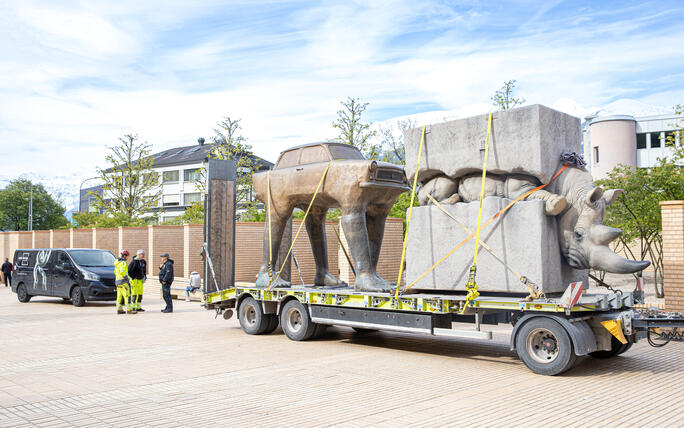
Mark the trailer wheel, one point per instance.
(296, 322)
(616, 348)
(251, 316)
(22, 294)
(545, 347)
(273, 323)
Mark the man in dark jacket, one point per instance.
(166, 279)
(7, 272)
(137, 270)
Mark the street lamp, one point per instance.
(80, 200)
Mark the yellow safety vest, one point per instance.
(121, 271)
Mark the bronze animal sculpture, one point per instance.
(364, 190)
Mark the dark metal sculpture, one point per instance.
(364, 190)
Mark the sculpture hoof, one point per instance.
(263, 281)
(555, 206)
(328, 280)
(373, 283)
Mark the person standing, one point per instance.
(137, 270)
(166, 279)
(123, 285)
(7, 272)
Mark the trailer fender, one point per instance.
(242, 297)
(281, 303)
(581, 334)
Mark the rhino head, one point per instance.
(584, 240)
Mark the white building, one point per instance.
(623, 139)
(178, 172)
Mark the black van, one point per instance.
(76, 274)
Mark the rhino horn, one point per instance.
(604, 235)
(603, 258)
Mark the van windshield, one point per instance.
(92, 258)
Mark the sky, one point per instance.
(76, 75)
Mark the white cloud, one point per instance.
(74, 78)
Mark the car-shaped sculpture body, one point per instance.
(364, 190)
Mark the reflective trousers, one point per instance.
(136, 293)
(123, 297)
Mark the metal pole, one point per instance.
(30, 213)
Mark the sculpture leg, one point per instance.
(376, 217)
(354, 226)
(278, 224)
(315, 227)
(554, 204)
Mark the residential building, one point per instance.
(178, 172)
(636, 141)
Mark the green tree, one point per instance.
(637, 210)
(87, 219)
(130, 187)
(392, 141)
(504, 99)
(353, 130)
(14, 207)
(192, 215)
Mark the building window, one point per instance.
(171, 200)
(641, 141)
(191, 198)
(670, 137)
(655, 139)
(170, 176)
(596, 155)
(191, 174)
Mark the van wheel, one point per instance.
(296, 322)
(22, 294)
(545, 347)
(77, 296)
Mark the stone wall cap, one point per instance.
(671, 203)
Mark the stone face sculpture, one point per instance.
(526, 146)
(365, 190)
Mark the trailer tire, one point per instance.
(273, 322)
(296, 321)
(252, 317)
(616, 348)
(545, 347)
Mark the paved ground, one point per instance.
(61, 365)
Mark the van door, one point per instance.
(44, 259)
(23, 268)
(60, 275)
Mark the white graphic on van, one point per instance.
(38, 269)
(24, 259)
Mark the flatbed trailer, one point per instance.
(549, 334)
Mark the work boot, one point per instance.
(133, 311)
(120, 311)
(140, 310)
(187, 299)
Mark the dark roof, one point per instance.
(192, 154)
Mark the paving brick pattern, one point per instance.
(67, 366)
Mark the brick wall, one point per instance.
(60, 238)
(168, 239)
(194, 240)
(134, 239)
(107, 239)
(41, 239)
(82, 238)
(673, 254)
(184, 244)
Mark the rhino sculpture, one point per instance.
(572, 197)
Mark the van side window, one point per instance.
(62, 258)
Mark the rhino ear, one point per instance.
(611, 195)
(594, 196)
